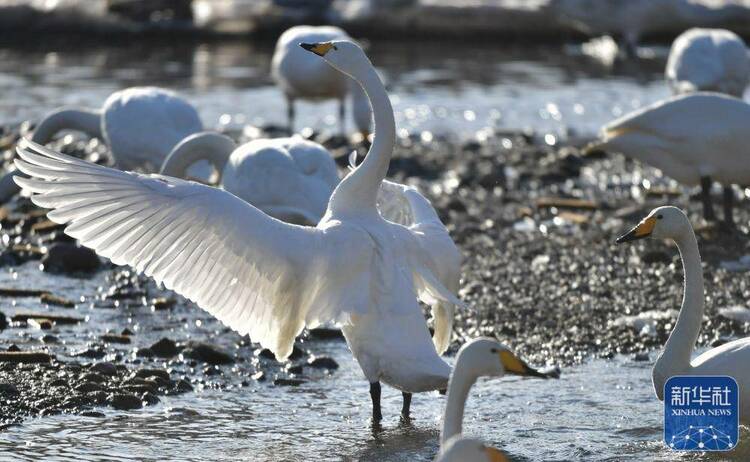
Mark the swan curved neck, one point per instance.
(211, 147)
(358, 191)
(675, 359)
(87, 121)
(458, 391)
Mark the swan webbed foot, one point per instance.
(406, 408)
(708, 206)
(728, 207)
(377, 415)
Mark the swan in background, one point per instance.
(300, 75)
(477, 358)
(708, 60)
(288, 178)
(259, 275)
(729, 359)
(140, 125)
(695, 138)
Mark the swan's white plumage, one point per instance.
(708, 60)
(141, 125)
(687, 137)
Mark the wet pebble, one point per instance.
(323, 362)
(124, 401)
(206, 353)
(104, 368)
(70, 258)
(165, 348)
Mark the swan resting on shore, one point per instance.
(708, 60)
(140, 125)
(477, 358)
(288, 178)
(696, 139)
(730, 359)
(260, 276)
(301, 76)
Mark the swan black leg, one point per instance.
(377, 416)
(708, 207)
(728, 206)
(406, 408)
(290, 114)
(342, 116)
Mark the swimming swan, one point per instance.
(479, 357)
(695, 138)
(288, 178)
(708, 60)
(139, 124)
(729, 359)
(300, 75)
(259, 275)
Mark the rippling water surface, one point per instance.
(601, 411)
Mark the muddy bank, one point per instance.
(535, 220)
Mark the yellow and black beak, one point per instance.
(319, 49)
(495, 455)
(644, 229)
(515, 365)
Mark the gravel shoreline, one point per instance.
(536, 224)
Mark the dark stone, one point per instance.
(288, 382)
(111, 338)
(324, 333)
(150, 399)
(93, 377)
(13, 348)
(8, 389)
(144, 353)
(162, 303)
(297, 369)
(206, 353)
(60, 382)
(93, 353)
(87, 387)
(70, 258)
(165, 348)
(49, 338)
(183, 386)
(124, 401)
(126, 331)
(146, 373)
(95, 414)
(297, 353)
(3, 321)
(104, 368)
(323, 362)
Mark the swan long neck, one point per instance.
(675, 359)
(458, 391)
(87, 121)
(358, 191)
(212, 147)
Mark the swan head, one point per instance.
(344, 55)
(487, 357)
(666, 222)
(469, 450)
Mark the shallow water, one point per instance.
(442, 88)
(600, 411)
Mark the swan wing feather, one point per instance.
(258, 275)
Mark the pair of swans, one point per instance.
(271, 279)
(302, 76)
(733, 358)
(477, 358)
(695, 138)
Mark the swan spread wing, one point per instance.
(256, 274)
(439, 266)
